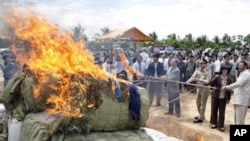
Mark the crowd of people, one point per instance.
(222, 74)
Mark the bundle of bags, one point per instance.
(112, 119)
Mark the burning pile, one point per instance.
(60, 82)
(52, 52)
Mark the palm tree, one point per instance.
(227, 41)
(247, 39)
(188, 41)
(105, 30)
(202, 42)
(79, 33)
(154, 36)
(171, 40)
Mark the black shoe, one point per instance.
(198, 121)
(196, 117)
(178, 116)
(222, 129)
(213, 126)
(168, 113)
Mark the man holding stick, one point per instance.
(155, 70)
(201, 76)
(241, 93)
(173, 88)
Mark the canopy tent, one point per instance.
(132, 34)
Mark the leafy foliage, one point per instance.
(79, 33)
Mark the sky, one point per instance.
(198, 17)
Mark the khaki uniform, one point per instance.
(203, 76)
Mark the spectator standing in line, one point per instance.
(182, 67)
(191, 66)
(149, 60)
(217, 64)
(108, 65)
(155, 70)
(144, 55)
(210, 63)
(163, 59)
(140, 66)
(234, 62)
(243, 57)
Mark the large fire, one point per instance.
(52, 52)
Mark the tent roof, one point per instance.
(131, 34)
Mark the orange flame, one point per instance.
(200, 138)
(52, 52)
(130, 69)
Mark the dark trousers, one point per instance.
(155, 88)
(174, 104)
(218, 108)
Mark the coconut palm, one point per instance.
(79, 33)
(105, 30)
(188, 41)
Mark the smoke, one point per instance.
(7, 6)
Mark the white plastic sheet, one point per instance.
(14, 129)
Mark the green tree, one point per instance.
(105, 30)
(247, 39)
(188, 41)
(202, 42)
(154, 36)
(79, 33)
(226, 41)
(172, 40)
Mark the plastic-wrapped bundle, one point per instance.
(110, 114)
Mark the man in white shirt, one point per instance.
(144, 55)
(241, 93)
(149, 60)
(140, 66)
(217, 64)
(164, 60)
(108, 65)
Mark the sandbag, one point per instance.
(38, 127)
(114, 115)
(109, 114)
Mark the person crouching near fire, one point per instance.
(220, 98)
(202, 76)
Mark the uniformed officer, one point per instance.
(201, 76)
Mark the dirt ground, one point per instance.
(183, 128)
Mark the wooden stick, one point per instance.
(167, 80)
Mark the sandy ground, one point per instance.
(183, 128)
